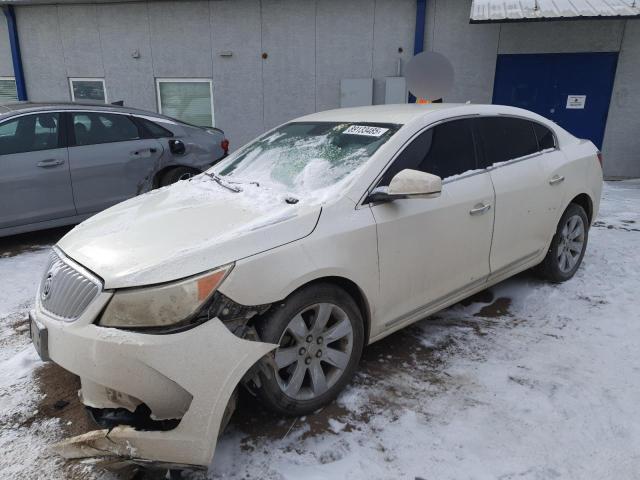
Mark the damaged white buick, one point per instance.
(272, 270)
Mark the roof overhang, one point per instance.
(504, 11)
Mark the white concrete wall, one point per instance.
(6, 67)
(471, 49)
(621, 147)
(310, 46)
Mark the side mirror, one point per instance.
(177, 147)
(408, 184)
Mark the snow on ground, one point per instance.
(526, 381)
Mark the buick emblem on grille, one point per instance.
(46, 286)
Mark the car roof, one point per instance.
(9, 109)
(399, 114)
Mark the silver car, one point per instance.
(61, 163)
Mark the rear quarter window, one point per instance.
(152, 129)
(545, 137)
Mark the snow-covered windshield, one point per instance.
(305, 157)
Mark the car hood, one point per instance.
(185, 229)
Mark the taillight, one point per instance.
(224, 144)
(600, 159)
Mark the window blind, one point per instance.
(187, 101)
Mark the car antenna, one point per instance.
(119, 103)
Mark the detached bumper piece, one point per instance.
(172, 390)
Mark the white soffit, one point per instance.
(485, 11)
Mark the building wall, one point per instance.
(6, 67)
(310, 45)
(473, 50)
(622, 136)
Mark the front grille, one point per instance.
(65, 290)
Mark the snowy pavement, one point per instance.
(526, 381)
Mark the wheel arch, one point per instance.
(164, 170)
(584, 200)
(354, 291)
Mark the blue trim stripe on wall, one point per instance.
(16, 57)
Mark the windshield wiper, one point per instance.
(222, 183)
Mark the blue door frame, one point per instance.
(543, 83)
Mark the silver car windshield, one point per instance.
(305, 157)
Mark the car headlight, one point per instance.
(162, 305)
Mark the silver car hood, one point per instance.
(185, 229)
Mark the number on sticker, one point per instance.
(365, 130)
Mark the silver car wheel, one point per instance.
(315, 349)
(571, 243)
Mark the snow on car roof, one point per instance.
(399, 114)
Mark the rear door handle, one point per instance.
(479, 209)
(51, 162)
(555, 180)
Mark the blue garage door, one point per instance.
(572, 89)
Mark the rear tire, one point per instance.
(567, 246)
(178, 173)
(321, 335)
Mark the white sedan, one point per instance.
(276, 267)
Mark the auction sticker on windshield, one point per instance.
(365, 130)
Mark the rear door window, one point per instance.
(444, 150)
(30, 133)
(505, 138)
(91, 128)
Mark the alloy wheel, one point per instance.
(571, 243)
(315, 349)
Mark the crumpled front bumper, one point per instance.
(190, 374)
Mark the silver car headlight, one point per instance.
(162, 305)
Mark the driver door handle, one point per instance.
(556, 179)
(51, 162)
(479, 209)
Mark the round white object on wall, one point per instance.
(429, 75)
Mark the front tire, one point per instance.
(567, 246)
(320, 333)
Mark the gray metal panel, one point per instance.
(470, 48)
(528, 10)
(621, 140)
(356, 92)
(42, 53)
(124, 29)
(81, 41)
(560, 37)
(395, 90)
(237, 80)
(289, 39)
(180, 38)
(6, 67)
(394, 28)
(343, 46)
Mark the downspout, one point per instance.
(18, 72)
(418, 42)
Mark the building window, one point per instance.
(8, 91)
(186, 99)
(91, 89)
